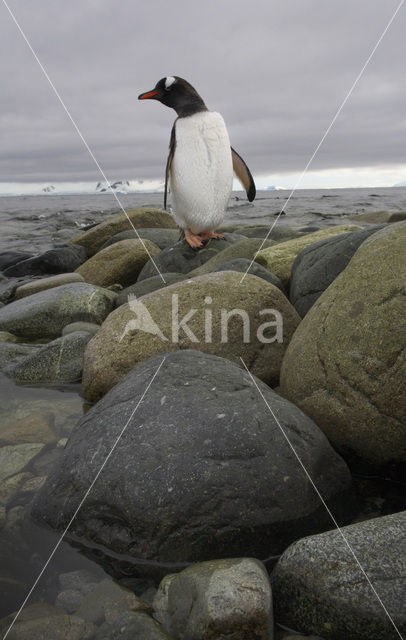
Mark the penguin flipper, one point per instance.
(172, 146)
(244, 175)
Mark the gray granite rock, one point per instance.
(318, 265)
(319, 588)
(244, 264)
(149, 285)
(131, 626)
(203, 471)
(46, 313)
(89, 327)
(163, 238)
(58, 361)
(217, 599)
(65, 257)
(181, 258)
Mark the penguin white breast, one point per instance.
(201, 174)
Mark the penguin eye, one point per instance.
(169, 81)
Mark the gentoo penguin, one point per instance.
(200, 164)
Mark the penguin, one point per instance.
(200, 165)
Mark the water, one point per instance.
(35, 223)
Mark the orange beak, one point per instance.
(147, 95)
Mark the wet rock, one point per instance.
(181, 258)
(217, 599)
(9, 258)
(69, 600)
(78, 580)
(46, 313)
(65, 257)
(163, 238)
(94, 238)
(63, 627)
(11, 486)
(318, 265)
(131, 625)
(280, 232)
(378, 217)
(7, 290)
(46, 283)
(58, 361)
(319, 588)
(89, 327)
(280, 258)
(259, 331)
(31, 485)
(202, 472)
(244, 265)
(120, 263)
(11, 353)
(345, 366)
(16, 458)
(36, 426)
(149, 285)
(45, 462)
(126, 601)
(106, 594)
(243, 249)
(5, 336)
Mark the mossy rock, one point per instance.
(346, 364)
(280, 258)
(243, 249)
(135, 332)
(120, 263)
(94, 238)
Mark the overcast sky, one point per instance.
(277, 70)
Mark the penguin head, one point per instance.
(176, 93)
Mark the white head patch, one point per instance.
(169, 81)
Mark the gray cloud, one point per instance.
(276, 70)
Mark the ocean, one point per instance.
(35, 223)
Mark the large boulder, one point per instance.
(222, 316)
(93, 239)
(163, 238)
(318, 265)
(216, 599)
(202, 470)
(120, 263)
(181, 258)
(45, 314)
(320, 588)
(346, 364)
(280, 257)
(63, 258)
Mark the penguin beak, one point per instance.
(148, 95)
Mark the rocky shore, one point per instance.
(237, 412)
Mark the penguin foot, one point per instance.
(210, 235)
(194, 240)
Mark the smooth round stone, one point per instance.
(244, 265)
(94, 238)
(203, 471)
(46, 283)
(149, 285)
(89, 327)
